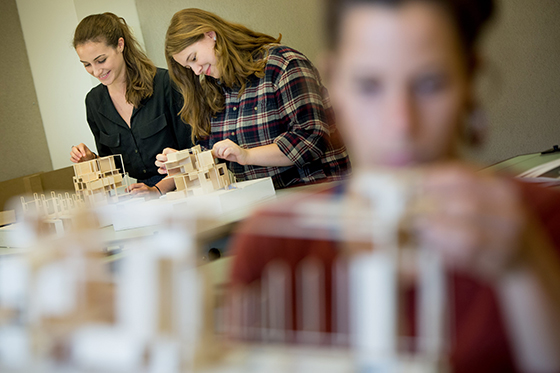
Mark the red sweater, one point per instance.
(479, 339)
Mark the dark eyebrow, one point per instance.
(95, 59)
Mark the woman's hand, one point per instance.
(230, 151)
(475, 221)
(162, 158)
(142, 190)
(81, 153)
(267, 155)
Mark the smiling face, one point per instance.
(200, 57)
(102, 61)
(399, 84)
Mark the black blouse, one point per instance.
(154, 125)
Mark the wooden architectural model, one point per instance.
(68, 311)
(96, 181)
(55, 212)
(159, 310)
(55, 206)
(195, 173)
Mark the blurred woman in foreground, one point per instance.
(401, 78)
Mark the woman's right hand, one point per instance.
(81, 153)
(162, 158)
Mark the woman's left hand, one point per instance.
(230, 151)
(142, 190)
(476, 221)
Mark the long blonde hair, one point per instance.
(109, 28)
(239, 53)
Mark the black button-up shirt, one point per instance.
(154, 125)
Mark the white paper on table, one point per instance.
(540, 169)
(543, 181)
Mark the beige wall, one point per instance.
(23, 145)
(296, 20)
(520, 88)
(521, 85)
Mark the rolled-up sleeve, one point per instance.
(299, 96)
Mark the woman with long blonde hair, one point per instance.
(134, 111)
(257, 104)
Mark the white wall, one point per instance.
(61, 81)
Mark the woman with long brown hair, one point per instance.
(133, 112)
(256, 103)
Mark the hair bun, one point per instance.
(472, 16)
(481, 10)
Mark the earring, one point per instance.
(214, 38)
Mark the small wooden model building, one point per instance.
(55, 206)
(96, 181)
(195, 173)
(68, 311)
(55, 212)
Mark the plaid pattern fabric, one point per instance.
(289, 107)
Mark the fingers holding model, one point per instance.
(230, 151)
(81, 153)
(162, 158)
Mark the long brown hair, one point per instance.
(109, 28)
(239, 53)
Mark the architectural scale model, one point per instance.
(201, 185)
(66, 310)
(195, 173)
(284, 314)
(63, 307)
(55, 206)
(96, 181)
(55, 212)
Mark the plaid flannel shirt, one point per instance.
(288, 107)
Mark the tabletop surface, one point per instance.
(522, 163)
